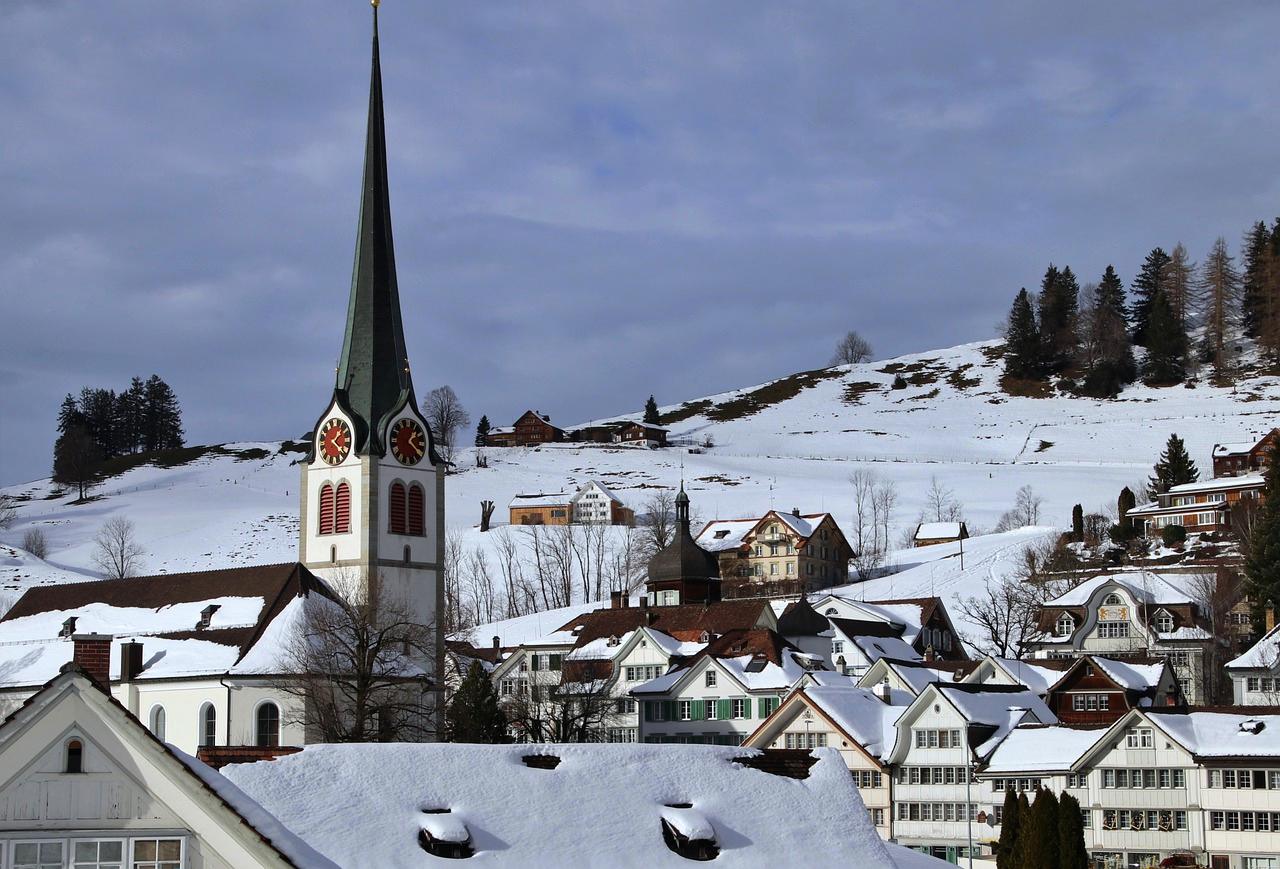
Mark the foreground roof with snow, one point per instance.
(600, 805)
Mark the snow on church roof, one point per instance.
(602, 805)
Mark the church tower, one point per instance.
(372, 483)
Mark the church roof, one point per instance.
(373, 371)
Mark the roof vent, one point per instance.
(688, 833)
(206, 616)
(1253, 725)
(442, 834)
(541, 761)
(68, 627)
(757, 663)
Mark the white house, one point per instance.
(594, 504)
(84, 785)
(1255, 675)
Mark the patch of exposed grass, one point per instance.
(958, 380)
(685, 411)
(994, 353)
(925, 396)
(1044, 445)
(853, 392)
(1026, 388)
(295, 447)
(770, 394)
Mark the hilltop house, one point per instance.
(1244, 459)
(628, 432)
(530, 430)
(1204, 507)
(1136, 614)
(541, 508)
(930, 533)
(781, 552)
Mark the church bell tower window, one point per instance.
(326, 509)
(398, 509)
(342, 509)
(417, 511)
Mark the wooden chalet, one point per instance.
(1240, 459)
(1099, 690)
(530, 430)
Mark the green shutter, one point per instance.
(723, 710)
(763, 707)
(672, 711)
(699, 710)
(746, 707)
(555, 662)
(533, 663)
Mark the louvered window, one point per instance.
(417, 511)
(397, 508)
(326, 509)
(342, 509)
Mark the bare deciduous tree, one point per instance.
(850, 349)
(445, 415)
(1025, 511)
(359, 667)
(116, 550)
(658, 520)
(580, 709)
(1215, 594)
(451, 618)
(1220, 298)
(34, 542)
(941, 504)
(1008, 610)
(873, 503)
(8, 510)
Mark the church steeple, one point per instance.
(373, 370)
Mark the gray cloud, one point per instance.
(593, 201)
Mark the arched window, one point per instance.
(208, 725)
(1113, 599)
(326, 509)
(268, 731)
(342, 509)
(75, 756)
(1066, 625)
(397, 509)
(417, 511)
(157, 722)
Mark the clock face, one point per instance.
(335, 441)
(408, 442)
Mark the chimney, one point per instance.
(130, 660)
(882, 691)
(93, 655)
(615, 600)
(1271, 617)
(497, 643)
(795, 511)
(929, 654)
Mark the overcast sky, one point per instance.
(592, 201)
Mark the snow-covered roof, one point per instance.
(1233, 449)
(1134, 677)
(875, 648)
(1222, 734)
(1264, 654)
(1143, 585)
(759, 660)
(601, 487)
(549, 499)
(920, 676)
(1035, 677)
(602, 805)
(1248, 481)
(938, 531)
(1154, 508)
(533, 627)
(722, 535)
(859, 713)
(997, 707)
(1037, 748)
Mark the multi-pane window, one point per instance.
(1000, 785)
(157, 854)
(1245, 779)
(644, 674)
(1090, 702)
(806, 740)
(937, 738)
(712, 706)
(1113, 630)
(711, 679)
(865, 778)
(1142, 737)
(686, 710)
(1262, 822)
(936, 811)
(739, 708)
(1163, 820)
(98, 854)
(1066, 625)
(38, 855)
(268, 725)
(1147, 779)
(208, 725)
(622, 734)
(1164, 622)
(1077, 780)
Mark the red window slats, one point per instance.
(397, 508)
(342, 509)
(417, 511)
(326, 509)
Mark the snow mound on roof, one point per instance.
(1223, 734)
(1264, 654)
(1033, 748)
(362, 805)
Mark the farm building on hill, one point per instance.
(530, 430)
(929, 533)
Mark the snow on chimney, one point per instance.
(497, 642)
(882, 690)
(92, 652)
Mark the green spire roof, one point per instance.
(373, 371)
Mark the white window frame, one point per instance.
(12, 846)
(182, 848)
(124, 848)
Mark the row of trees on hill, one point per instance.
(101, 424)
(1087, 334)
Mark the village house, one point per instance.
(779, 552)
(851, 720)
(594, 504)
(1135, 614)
(1255, 675)
(931, 533)
(1244, 459)
(541, 509)
(922, 623)
(530, 430)
(627, 432)
(1204, 507)
(1159, 784)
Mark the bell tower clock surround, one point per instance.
(372, 483)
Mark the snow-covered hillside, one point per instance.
(790, 443)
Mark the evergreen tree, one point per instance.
(129, 417)
(651, 412)
(1124, 528)
(1269, 304)
(482, 431)
(1152, 280)
(161, 417)
(1059, 315)
(1022, 846)
(1072, 852)
(1256, 242)
(473, 714)
(1262, 564)
(1077, 523)
(69, 415)
(1109, 354)
(99, 409)
(1022, 349)
(1166, 344)
(1010, 829)
(1038, 840)
(1174, 467)
(76, 459)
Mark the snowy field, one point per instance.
(797, 449)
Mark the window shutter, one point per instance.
(397, 509)
(723, 710)
(326, 509)
(342, 509)
(533, 663)
(555, 662)
(648, 710)
(763, 707)
(746, 707)
(672, 711)
(417, 510)
(699, 710)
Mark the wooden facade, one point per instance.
(530, 430)
(1234, 460)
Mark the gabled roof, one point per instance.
(1041, 748)
(1212, 733)
(228, 807)
(800, 619)
(162, 611)
(1262, 655)
(1039, 675)
(992, 711)
(756, 659)
(553, 499)
(864, 720)
(722, 535)
(1144, 586)
(939, 530)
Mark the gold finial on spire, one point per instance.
(376, 3)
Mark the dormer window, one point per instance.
(206, 616)
(722, 534)
(68, 627)
(1066, 625)
(1164, 622)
